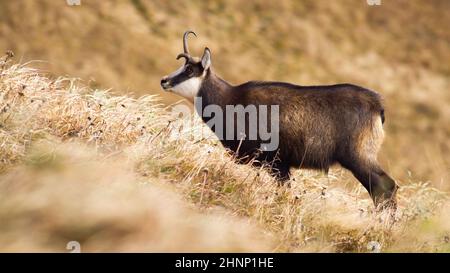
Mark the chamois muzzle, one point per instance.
(165, 83)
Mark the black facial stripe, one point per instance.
(197, 71)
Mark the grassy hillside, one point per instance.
(399, 49)
(117, 174)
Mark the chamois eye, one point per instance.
(189, 70)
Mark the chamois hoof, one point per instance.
(387, 200)
(387, 204)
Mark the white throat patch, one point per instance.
(189, 88)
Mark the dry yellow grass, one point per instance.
(64, 179)
(117, 174)
(64, 192)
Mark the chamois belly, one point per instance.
(308, 153)
(293, 155)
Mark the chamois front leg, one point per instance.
(281, 172)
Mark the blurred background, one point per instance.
(400, 49)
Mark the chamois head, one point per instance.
(187, 80)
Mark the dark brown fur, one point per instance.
(319, 126)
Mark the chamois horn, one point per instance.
(185, 44)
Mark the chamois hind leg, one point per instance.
(387, 191)
(381, 187)
(362, 162)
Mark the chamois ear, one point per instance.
(206, 59)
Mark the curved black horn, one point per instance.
(184, 55)
(185, 44)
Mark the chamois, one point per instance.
(318, 126)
